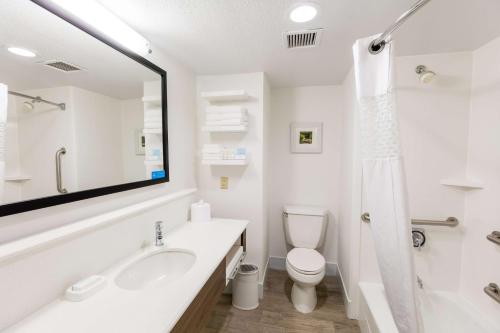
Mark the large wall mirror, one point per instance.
(81, 117)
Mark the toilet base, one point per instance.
(304, 297)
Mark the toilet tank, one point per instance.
(305, 226)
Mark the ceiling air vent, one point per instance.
(302, 38)
(62, 66)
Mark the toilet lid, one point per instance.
(308, 261)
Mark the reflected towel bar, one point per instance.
(449, 222)
(38, 99)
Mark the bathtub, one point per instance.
(441, 312)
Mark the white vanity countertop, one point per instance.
(153, 310)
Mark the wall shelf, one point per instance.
(225, 162)
(17, 178)
(226, 129)
(225, 96)
(152, 100)
(464, 183)
(152, 131)
(153, 163)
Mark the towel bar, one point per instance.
(449, 222)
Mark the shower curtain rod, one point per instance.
(38, 99)
(378, 44)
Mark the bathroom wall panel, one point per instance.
(433, 121)
(481, 257)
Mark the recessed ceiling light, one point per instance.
(303, 13)
(21, 52)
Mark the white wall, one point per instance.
(11, 190)
(244, 198)
(132, 120)
(304, 179)
(481, 257)
(97, 122)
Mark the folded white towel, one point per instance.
(212, 146)
(151, 114)
(225, 109)
(226, 123)
(153, 118)
(230, 117)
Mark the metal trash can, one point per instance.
(245, 287)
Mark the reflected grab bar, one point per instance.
(60, 187)
(449, 222)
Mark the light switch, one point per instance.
(224, 183)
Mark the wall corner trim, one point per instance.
(48, 238)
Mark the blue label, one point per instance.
(158, 174)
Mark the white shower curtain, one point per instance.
(3, 129)
(384, 182)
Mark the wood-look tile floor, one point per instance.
(276, 313)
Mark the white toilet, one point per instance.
(305, 230)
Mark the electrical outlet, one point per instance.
(224, 183)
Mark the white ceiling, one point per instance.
(236, 36)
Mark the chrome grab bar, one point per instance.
(60, 187)
(449, 222)
(493, 291)
(494, 237)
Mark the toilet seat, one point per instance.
(306, 261)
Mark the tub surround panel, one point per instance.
(481, 257)
(153, 310)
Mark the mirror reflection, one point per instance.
(79, 115)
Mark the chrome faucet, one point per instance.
(159, 233)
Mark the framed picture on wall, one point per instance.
(306, 138)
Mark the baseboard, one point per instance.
(279, 263)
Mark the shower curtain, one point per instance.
(384, 182)
(3, 129)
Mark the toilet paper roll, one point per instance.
(200, 212)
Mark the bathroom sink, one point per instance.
(156, 269)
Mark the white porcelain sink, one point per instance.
(156, 269)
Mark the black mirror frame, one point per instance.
(28, 205)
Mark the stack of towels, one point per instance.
(152, 119)
(226, 116)
(213, 152)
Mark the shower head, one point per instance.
(426, 76)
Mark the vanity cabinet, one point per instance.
(196, 315)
